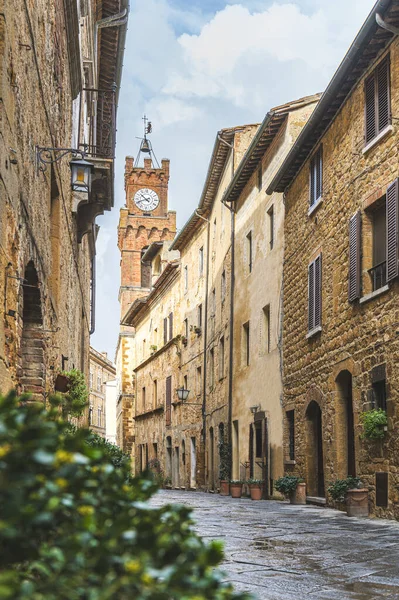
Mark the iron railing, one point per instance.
(378, 275)
(97, 122)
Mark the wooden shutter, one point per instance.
(384, 117)
(170, 326)
(317, 291)
(370, 129)
(168, 407)
(311, 296)
(165, 330)
(392, 230)
(354, 284)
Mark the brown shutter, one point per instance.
(370, 129)
(392, 230)
(311, 296)
(165, 330)
(168, 400)
(317, 291)
(354, 284)
(384, 117)
(170, 326)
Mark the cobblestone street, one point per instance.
(278, 551)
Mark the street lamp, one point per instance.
(81, 171)
(182, 393)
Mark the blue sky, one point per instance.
(196, 67)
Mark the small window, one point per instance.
(316, 177)
(185, 382)
(185, 328)
(314, 294)
(212, 367)
(201, 262)
(266, 329)
(155, 450)
(223, 286)
(249, 251)
(221, 358)
(259, 177)
(170, 326)
(246, 346)
(165, 330)
(186, 278)
(143, 399)
(199, 315)
(290, 414)
(377, 101)
(155, 394)
(199, 380)
(270, 214)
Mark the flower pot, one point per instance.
(299, 496)
(255, 491)
(236, 490)
(357, 503)
(224, 487)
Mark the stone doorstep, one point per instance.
(316, 500)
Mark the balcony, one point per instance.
(98, 133)
(378, 275)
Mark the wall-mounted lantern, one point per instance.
(182, 393)
(81, 169)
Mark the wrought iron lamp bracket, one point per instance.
(48, 156)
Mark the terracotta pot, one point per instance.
(224, 487)
(255, 491)
(357, 503)
(299, 496)
(61, 383)
(236, 490)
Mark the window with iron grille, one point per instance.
(377, 101)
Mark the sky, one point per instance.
(194, 67)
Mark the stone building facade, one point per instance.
(340, 342)
(60, 71)
(101, 370)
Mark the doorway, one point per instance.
(193, 464)
(211, 482)
(32, 342)
(259, 451)
(346, 458)
(315, 462)
(176, 468)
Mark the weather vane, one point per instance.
(146, 146)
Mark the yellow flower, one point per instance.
(4, 450)
(62, 483)
(146, 579)
(62, 456)
(126, 488)
(85, 510)
(133, 566)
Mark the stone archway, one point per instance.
(345, 436)
(32, 377)
(314, 450)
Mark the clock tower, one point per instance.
(145, 219)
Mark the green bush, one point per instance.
(75, 399)
(225, 460)
(287, 485)
(71, 528)
(373, 422)
(339, 488)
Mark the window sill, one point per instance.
(313, 332)
(315, 206)
(374, 294)
(388, 129)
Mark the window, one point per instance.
(249, 251)
(143, 399)
(211, 367)
(185, 382)
(245, 329)
(378, 382)
(165, 330)
(270, 214)
(199, 380)
(314, 295)
(170, 326)
(199, 315)
(155, 450)
(379, 237)
(183, 452)
(201, 262)
(99, 416)
(290, 415)
(316, 177)
(258, 439)
(266, 329)
(186, 278)
(221, 358)
(155, 394)
(377, 101)
(168, 398)
(223, 286)
(185, 328)
(259, 177)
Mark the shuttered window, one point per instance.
(377, 101)
(168, 407)
(314, 297)
(316, 177)
(392, 231)
(354, 284)
(165, 330)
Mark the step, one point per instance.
(319, 501)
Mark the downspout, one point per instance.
(231, 345)
(381, 23)
(208, 238)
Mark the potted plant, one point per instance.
(352, 492)
(292, 487)
(255, 488)
(375, 424)
(236, 488)
(153, 348)
(224, 467)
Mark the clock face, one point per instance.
(146, 199)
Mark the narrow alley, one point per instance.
(278, 551)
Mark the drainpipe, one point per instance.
(231, 345)
(381, 23)
(208, 237)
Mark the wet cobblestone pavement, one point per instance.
(278, 551)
